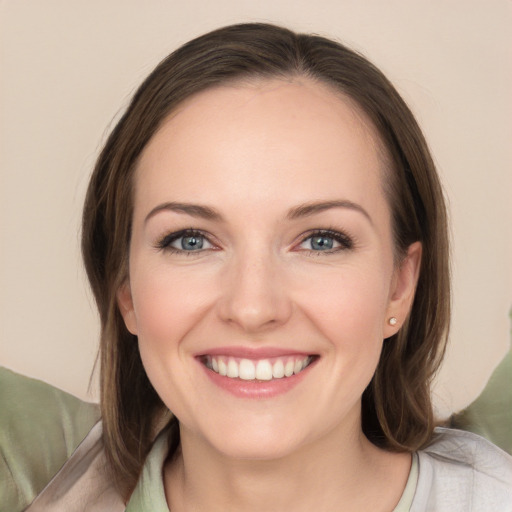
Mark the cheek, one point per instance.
(167, 305)
(350, 314)
(351, 305)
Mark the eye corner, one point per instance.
(199, 242)
(328, 241)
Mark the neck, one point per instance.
(340, 468)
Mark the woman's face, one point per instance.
(261, 274)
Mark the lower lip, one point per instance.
(256, 389)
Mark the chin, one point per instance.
(255, 441)
(258, 450)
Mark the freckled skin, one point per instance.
(252, 153)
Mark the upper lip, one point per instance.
(254, 353)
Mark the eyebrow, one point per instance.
(303, 210)
(194, 210)
(307, 209)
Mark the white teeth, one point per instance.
(264, 369)
(232, 369)
(246, 371)
(278, 369)
(223, 369)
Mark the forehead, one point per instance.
(267, 132)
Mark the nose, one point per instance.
(254, 295)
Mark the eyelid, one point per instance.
(346, 241)
(164, 243)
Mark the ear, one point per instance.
(403, 288)
(125, 304)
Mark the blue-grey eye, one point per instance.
(191, 242)
(327, 241)
(184, 241)
(321, 243)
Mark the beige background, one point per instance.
(68, 68)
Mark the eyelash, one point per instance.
(164, 244)
(345, 241)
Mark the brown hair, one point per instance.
(397, 410)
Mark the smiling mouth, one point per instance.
(257, 370)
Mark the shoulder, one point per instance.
(40, 426)
(460, 471)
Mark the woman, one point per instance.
(265, 236)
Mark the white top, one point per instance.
(462, 472)
(458, 472)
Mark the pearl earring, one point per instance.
(392, 321)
